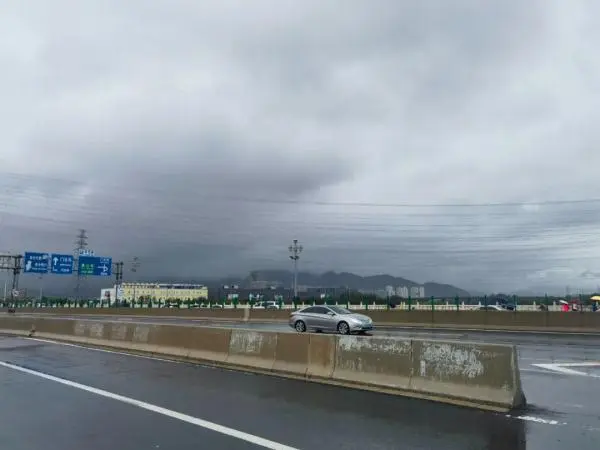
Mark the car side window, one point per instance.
(320, 310)
(310, 310)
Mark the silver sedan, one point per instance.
(329, 318)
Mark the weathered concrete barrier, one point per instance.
(477, 375)
(255, 349)
(385, 362)
(464, 372)
(209, 344)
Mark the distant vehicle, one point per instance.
(269, 304)
(11, 310)
(490, 308)
(329, 318)
(508, 306)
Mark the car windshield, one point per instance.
(338, 310)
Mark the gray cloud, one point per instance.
(203, 137)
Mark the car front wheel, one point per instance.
(300, 326)
(343, 328)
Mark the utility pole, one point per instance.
(11, 263)
(81, 243)
(41, 278)
(16, 270)
(118, 280)
(135, 265)
(295, 251)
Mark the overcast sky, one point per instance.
(202, 136)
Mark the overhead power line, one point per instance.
(117, 187)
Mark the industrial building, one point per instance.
(156, 292)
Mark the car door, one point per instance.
(314, 317)
(323, 318)
(330, 320)
(309, 316)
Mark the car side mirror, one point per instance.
(331, 313)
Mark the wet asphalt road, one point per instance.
(564, 410)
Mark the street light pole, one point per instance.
(135, 265)
(295, 251)
(41, 290)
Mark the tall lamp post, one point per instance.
(295, 249)
(135, 265)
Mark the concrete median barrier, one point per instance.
(167, 340)
(48, 327)
(465, 373)
(291, 353)
(321, 356)
(484, 376)
(254, 349)
(191, 313)
(17, 325)
(209, 344)
(383, 362)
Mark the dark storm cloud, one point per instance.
(202, 137)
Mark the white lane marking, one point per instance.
(538, 420)
(580, 364)
(534, 371)
(565, 368)
(571, 405)
(157, 409)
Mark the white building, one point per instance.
(108, 295)
(402, 291)
(417, 292)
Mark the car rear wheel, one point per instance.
(300, 326)
(343, 328)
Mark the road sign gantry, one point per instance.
(63, 264)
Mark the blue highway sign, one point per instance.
(35, 262)
(61, 264)
(95, 265)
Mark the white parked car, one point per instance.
(269, 304)
(490, 308)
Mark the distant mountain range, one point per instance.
(340, 280)
(91, 287)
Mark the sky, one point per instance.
(439, 141)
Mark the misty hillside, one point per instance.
(90, 287)
(349, 280)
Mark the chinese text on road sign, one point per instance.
(95, 266)
(35, 262)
